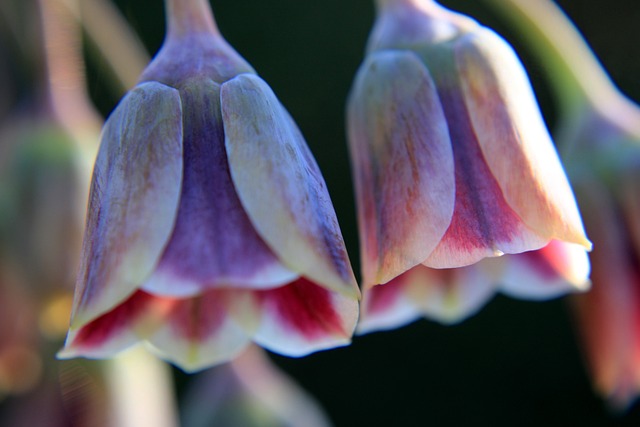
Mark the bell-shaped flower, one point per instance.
(209, 223)
(599, 138)
(607, 316)
(451, 295)
(600, 144)
(43, 184)
(452, 161)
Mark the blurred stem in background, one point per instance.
(66, 87)
(578, 80)
(111, 35)
(48, 144)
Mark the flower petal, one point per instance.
(302, 317)
(483, 224)
(280, 185)
(199, 332)
(452, 295)
(118, 329)
(133, 200)
(552, 271)
(214, 243)
(403, 164)
(387, 306)
(445, 295)
(515, 143)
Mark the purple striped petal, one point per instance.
(483, 223)
(133, 200)
(280, 185)
(214, 243)
(513, 139)
(403, 164)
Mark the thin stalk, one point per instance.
(65, 78)
(189, 16)
(109, 32)
(576, 74)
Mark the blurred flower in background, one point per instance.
(47, 144)
(599, 139)
(453, 163)
(250, 391)
(43, 183)
(209, 222)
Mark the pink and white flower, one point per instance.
(209, 223)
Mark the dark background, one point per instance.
(516, 363)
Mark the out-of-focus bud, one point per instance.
(599, 138)
(40, 178)
(601, 150)
(43, 186)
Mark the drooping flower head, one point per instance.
(452, 161)
(599, 138)
(601, 148)
(44, 175)
(209, 222)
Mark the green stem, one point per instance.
(576, 74)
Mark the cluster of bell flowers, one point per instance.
(210, 225)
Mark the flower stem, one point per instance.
(65, 79)
(578, 77)
(189, 16)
